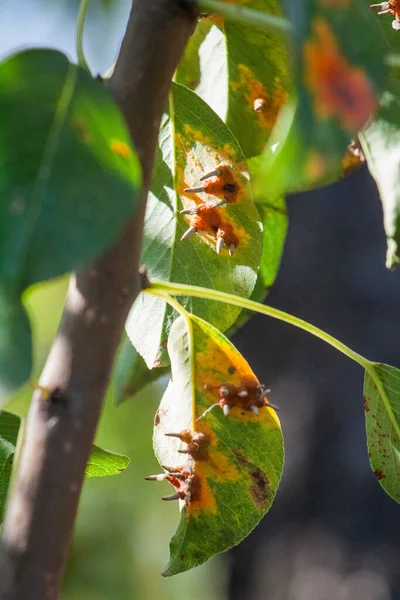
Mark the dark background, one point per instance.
(332, 533)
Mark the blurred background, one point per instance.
(332, 533)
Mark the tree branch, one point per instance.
(60, 429)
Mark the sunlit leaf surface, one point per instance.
(193, 143)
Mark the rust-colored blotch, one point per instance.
(340, 90)
(120, 148)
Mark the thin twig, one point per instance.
(80, 28)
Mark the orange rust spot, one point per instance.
(249, 393)
(394, 7)
(316, 166)
(266, 105)
(207, 218)
(86, 135)
(227, 234)
(339, 89)
(379, 474)
(224, 186)
(350, 162)
(197, 443)
(120, 148)
(187, 484)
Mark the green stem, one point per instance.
(80, 27)
(245, 15)
(171, 301)
(175, 289)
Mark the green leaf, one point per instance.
(259, 80)
(338, 78)
(101, 462)
(104, 462)
(382, 416)
(131, 374)
(381, 142)
(9, 425)
(15, 344)
(194, 142)
(68, 180)
(242, 73)
(235, 461)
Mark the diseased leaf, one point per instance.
(101, 462)
(68, 183)
(9, 425)
(104, 462)
(259, 80)
(382, 416)
(193, 143)
(243, 75)
(131, 374)
(229, 479)
(381, 145)
(339, 76)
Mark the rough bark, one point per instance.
(60, 429)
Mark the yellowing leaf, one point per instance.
(228, 480)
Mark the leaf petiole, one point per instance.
(178, 289)
(80, 27)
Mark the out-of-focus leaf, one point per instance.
(259, 80)
(104, 462)
(381, 145)
(9, 425)
(194, 142)
(339, 76)
(235, 463)
(68, 183)
(101, 462)
(382, 416)
(131, 374)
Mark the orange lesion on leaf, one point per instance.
(84, 132)
(266, 105)
(120, 148)
(220, 466)
(350, 162)
(222, 377)
(340, 90)
(316, 166)
(391, 7)
(196, 158)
